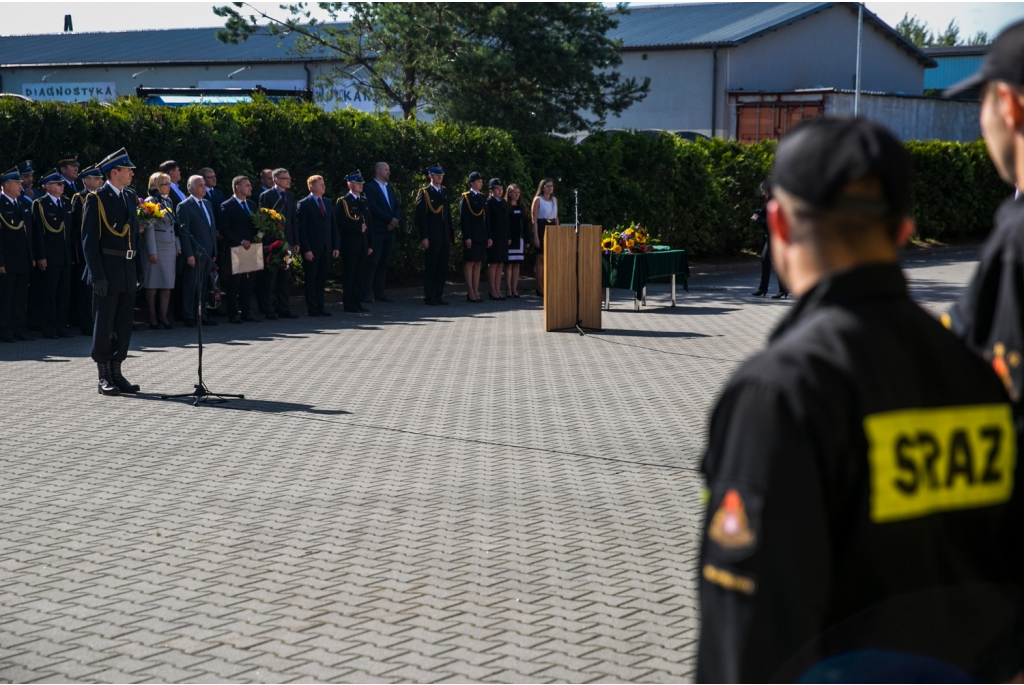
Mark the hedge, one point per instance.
(695, 195)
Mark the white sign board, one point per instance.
(70, 92)
(269, 84)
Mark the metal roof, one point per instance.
(957, 50)
(679, 26)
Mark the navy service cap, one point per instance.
(52, 176)
(495, 183)
(70, 159)
(116, 160)
(355, 177)
(1004, 62)
(820, 158)
(88, 171)
(475, 176)
(26, 168)
(11, 175)
(436, 169)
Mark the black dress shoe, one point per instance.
(430, 303)
(235, 319)
(367, 300)
(67, 334)
(760, 293)
(323, 312)
(780, 296)
(383, 298)
(446, 301)
(154, 327)
(272, 316)
(499, 297)
(312, 313)
(209, 322)
(250, 318)
(22, 337)
(167, 326)
(515, 295)
(51, 336)
(363, 310)
(288, 315)
(539, 293)
(190, 323)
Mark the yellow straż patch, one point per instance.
(925, 461)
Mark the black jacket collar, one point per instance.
(857, 285)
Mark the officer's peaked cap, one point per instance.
(1003, 62)
(10, 175)
(26, 168)
(494, 183)
(70, 158)
(475, 176)
(355, 177)
(820, 158)
(51, 176)
(115, 160)
(436, 169)
(93, 170)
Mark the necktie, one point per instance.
(206, 213)
(245, 206)
(386, 198)
(320, 204)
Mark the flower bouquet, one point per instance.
(633, 238)
(149, 213)
(277, 253)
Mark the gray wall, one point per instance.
(914, 118)
(680, 97)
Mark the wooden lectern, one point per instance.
(560, 277)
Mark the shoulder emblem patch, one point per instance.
(730, 526)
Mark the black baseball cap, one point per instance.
(822, 157)
(1004, 62)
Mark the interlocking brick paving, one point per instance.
(419, 494)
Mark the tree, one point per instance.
(553, 61)
(916, 31)
(979, 38)
(950, 37)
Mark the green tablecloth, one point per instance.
(633, 271)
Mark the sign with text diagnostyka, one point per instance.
(70, 92)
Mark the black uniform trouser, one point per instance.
(55, 299)
(316, 280)
(352, 279)
(279, 290)
(81, 300)
(13, 303)
(435, 270)
(194, 279)
(766, 270)
(239, 294)
(261, 283)
(376, 268)
(112, 326)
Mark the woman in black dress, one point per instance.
(475, 234)
(497, 222)
(518, 228)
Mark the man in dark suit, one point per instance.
(213, 194)
(16, 259)
(81, 291)
(110, 240)
(54, 250)
(171, 168)
(237, 228)
(266, 181)
(434, 223)
(318, 234)
(281, 199)
(68, 166)
(385, 213)
(196, 217)
(353, 214)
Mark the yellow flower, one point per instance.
(617, 249)
(630, 243)
(607, 244)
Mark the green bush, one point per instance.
(693, 195)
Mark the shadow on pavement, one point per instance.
(248, 404)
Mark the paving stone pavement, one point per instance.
(419, 494)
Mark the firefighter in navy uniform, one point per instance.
(434, 222)
(55, 251)
(67, 167)
(28, 178)
(862, 469)
(16, 258)
(110, 239)
(81, 291)
(353, 212)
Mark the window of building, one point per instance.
(771, 120)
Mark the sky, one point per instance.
(45, 16)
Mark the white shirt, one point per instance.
(56, 200)
(177, 191)
(9, 198)
(384, 188)
(245, 205)
(437, 188)
(548, 209)
(115, 188)
(202, 204)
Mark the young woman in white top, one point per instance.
(544, 211)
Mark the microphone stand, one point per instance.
(579, 321)
(201, 392)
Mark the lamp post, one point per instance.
(860, 36)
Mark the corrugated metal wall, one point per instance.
(951, 70)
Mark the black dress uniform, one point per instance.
(862, 474)
(17, 259)
(497, 222)
(473, 224)
(70, 187)
(81, 290)
(110, 240)
(353, 217)
(434, 223)
(54, 242)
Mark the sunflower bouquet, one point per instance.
(149, 213)
(632, 238)
(277, 253)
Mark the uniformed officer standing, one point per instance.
(434, 223)
(476, 234)
(68, 167)
(862, 468)
(81, 291)
(28, 178)
(16, 259)
(353, 212)
(990, 315)
(54, 249)
(110, 238)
